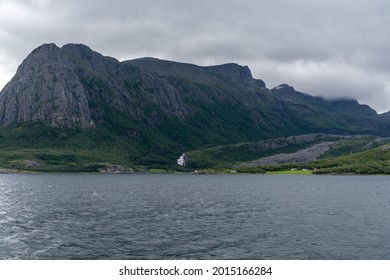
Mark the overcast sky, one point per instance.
(331, 48)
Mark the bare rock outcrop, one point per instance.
(45, 90)
(116, 169)
(305, 155)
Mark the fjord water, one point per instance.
(194, 217)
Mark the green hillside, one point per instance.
(372, 162)
(375, 161)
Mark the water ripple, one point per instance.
(193, 217)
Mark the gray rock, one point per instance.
(45, 90)
(116, 169)
(32, 163)
(302, 156)
(232, 70)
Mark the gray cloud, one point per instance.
(326, 47)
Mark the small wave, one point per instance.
(11, 240)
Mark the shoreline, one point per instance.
(209, 172)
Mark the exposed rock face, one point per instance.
(116, 169)
(232, 70)
(45, 90)
(305, 155)
(32, 163)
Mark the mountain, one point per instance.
(45, 89)
(73, 101)
(288, 94)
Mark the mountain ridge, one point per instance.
(155, 110)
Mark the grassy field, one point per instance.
(290, 172)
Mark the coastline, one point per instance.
(196, 172)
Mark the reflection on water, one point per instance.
(194, 217)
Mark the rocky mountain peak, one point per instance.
(282, 87)
(81, 48)
(84, 52)
(40, 57)
(232, 70)
(45, 90)
(45, 49)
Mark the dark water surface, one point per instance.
(194, 217)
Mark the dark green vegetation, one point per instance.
(72, 109)
(46, 149)
(375, 161)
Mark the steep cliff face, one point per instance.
(45, 90)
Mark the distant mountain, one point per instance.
(289, 95)
(148, 111)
